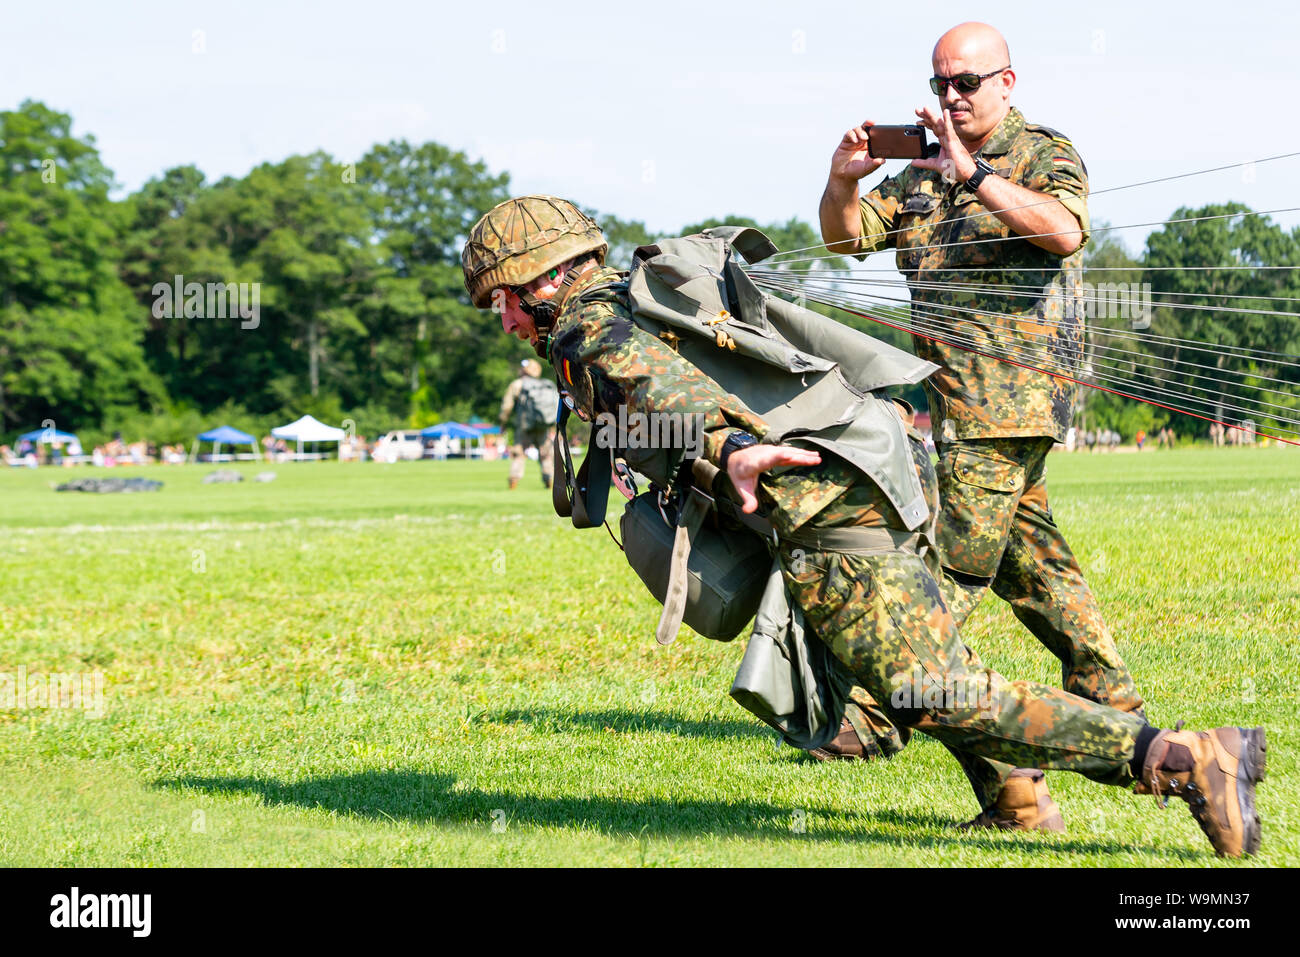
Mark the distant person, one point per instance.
(1140, 438)
(531, 402)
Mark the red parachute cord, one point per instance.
(1057, 375)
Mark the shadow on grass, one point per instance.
(558, 719)
(438, 798)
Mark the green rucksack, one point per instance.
(816, 383)
(535, 407)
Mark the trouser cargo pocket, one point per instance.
(978, 494)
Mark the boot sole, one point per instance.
(1254, 765)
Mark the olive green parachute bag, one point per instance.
(817, 384)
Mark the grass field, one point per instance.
(365, 665)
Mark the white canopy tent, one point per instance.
(308, 429)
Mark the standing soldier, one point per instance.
(533, 402)
(847, 556)
(999, 211)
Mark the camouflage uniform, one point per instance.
(883, 614)
(539, 437)
(995, 422)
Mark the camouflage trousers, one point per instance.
(884, 616)
(541, 438)
(995, 529)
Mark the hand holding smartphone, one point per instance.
(906, 141)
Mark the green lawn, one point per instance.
(408, 664)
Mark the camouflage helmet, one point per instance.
(518, 240)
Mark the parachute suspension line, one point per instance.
(1052, 323)
(929, 327)
(1090, 193)
(931, 321)
(1136, 394)
(1032, 292)
(944, 333)
(1059, 232)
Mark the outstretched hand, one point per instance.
(744, 466)
(953, 160)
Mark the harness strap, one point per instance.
(692, 515)
(855, 539)
(584, 495)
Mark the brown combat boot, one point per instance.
(1023, 804)
(845, 746)
(1215, 772)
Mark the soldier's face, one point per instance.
(974, 115)
(514, 319)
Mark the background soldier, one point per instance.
(878, 609)
(533, 402)
(997, 177)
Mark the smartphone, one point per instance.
(896, 142)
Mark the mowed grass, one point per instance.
(363, 664)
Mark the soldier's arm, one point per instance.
(863, 225)
(606, 360)
(1039, 217)
(508, 400)
(1056, 170)
(845, 227)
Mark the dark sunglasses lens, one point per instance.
(966, 82)
(938, 85)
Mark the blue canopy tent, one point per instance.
(47, 436)
(63, 442)
(224, 435)
(452, 430)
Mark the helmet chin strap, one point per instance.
(545, 311)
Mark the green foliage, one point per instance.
(70, 336)
(363, 316)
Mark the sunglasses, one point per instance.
(964, 82)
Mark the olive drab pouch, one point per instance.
(702, 572)
(702, 558)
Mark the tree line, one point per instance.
(332, 287)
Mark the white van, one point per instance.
(405, 445)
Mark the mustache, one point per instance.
(964, 107)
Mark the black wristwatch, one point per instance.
(982, 169)
(736, 440)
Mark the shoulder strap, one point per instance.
(583, 496)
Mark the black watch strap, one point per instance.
(982, 169)
(736, 440)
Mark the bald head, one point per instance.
(980, 49)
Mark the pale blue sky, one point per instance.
(667, 112)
